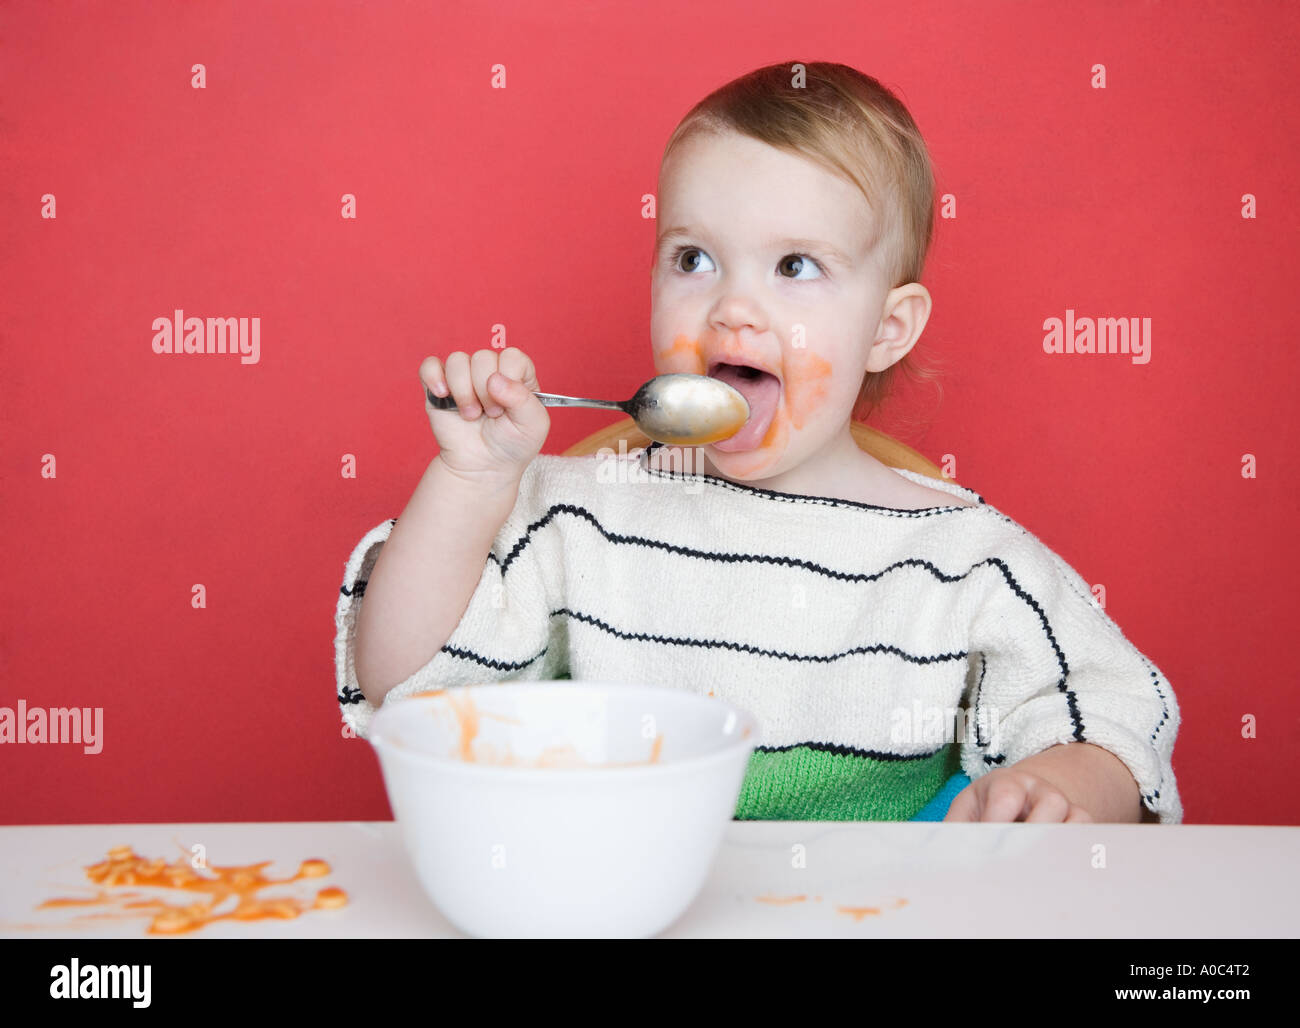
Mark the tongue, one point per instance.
(761, 393)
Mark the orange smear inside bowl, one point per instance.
(474, 751)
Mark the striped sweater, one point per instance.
(882, 650)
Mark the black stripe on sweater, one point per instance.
(848, 751)
(979, 684)
(720, 556)
(619, 539)
(772, 494)
(746, 648)
(1017, 590)
(1070, 701)
(644, 462)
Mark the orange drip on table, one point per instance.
(125, 867)
(858, 913)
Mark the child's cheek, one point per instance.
(807, 384)
(683, 357)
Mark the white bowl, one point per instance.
(534, 849)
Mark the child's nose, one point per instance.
(738, 312)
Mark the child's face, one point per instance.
(730, 287)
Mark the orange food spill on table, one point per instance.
(125, 867)
(331, 898)
(566, 756)
(858, 913)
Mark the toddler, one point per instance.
(897, 637)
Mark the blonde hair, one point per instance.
(856, 128)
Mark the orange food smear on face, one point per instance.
(804, 391)
(780, 899)
(683, 357)
(726, 346)
(125, 867)
(806, 384)
(747, 463)
(467, 718)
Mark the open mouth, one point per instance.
(745, 371)
(761, 390)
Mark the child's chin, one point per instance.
(723, 450)
(740, 465)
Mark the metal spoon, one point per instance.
(686, 410)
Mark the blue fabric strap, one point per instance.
(937, 808)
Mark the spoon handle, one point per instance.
(448, 402)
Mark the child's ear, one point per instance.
(905, 312)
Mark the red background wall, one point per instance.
(522, 206)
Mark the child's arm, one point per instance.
(425, 575)
(1092, 777)
(1058, 693)
(455, 591)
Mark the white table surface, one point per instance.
(959, 880)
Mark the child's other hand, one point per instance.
(1007, 794)
(499, 425)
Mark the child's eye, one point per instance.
(801, 261)
(677, 254)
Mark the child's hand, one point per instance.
(499, 426)
(1007, 794)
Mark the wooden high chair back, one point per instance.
(885, 448)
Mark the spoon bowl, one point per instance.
(688, 410)
(677, 409)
